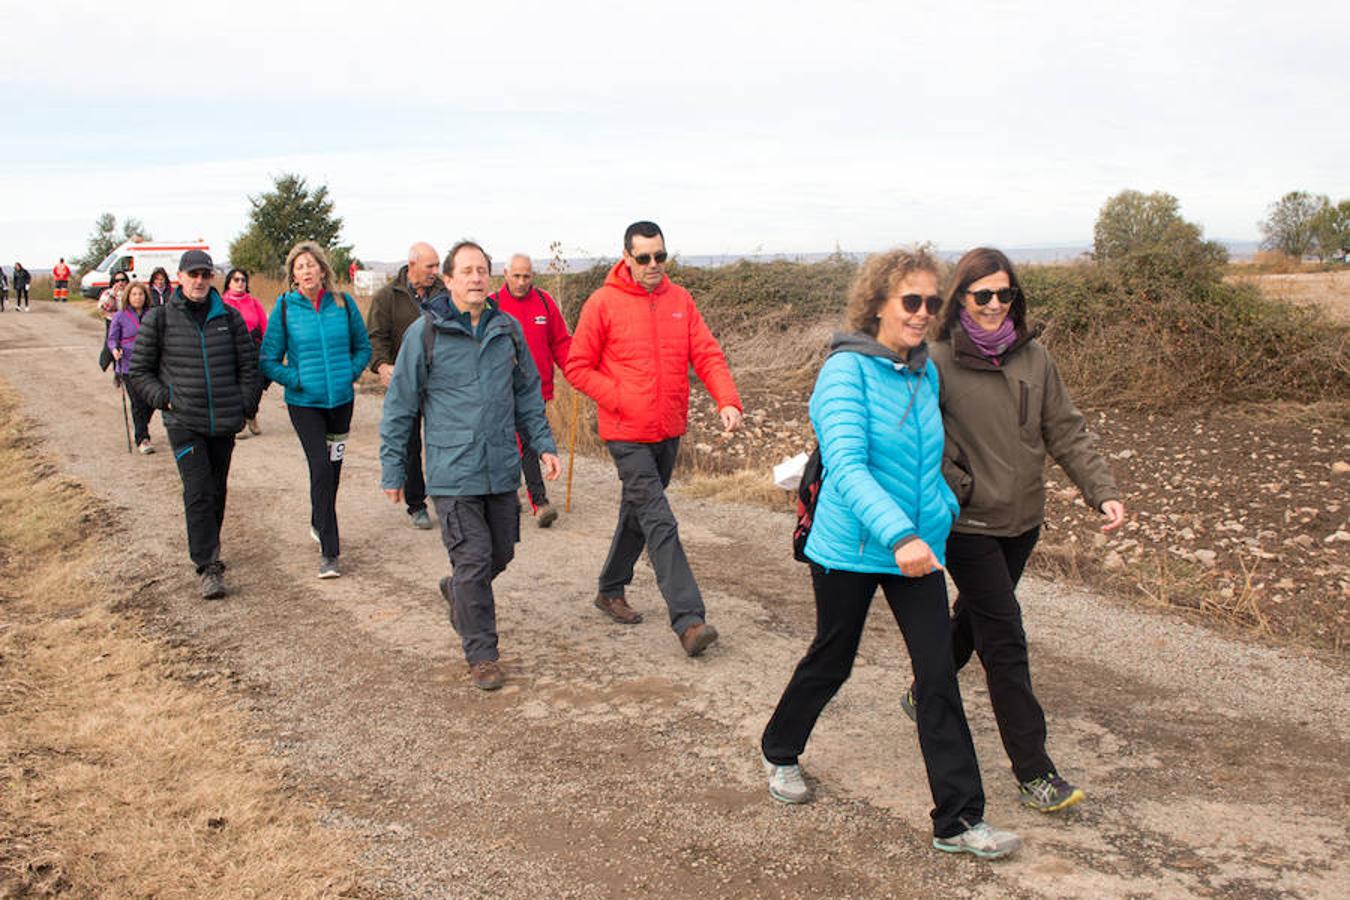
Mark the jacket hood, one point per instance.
(619, 277)
(444, 313)
(858, 342)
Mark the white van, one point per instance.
(138, 258)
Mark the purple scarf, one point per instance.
(991, 344)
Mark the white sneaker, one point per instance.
(786, 783)
(981, 839)
(314, 533)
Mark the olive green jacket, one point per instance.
(393, 308)
(1001, 421)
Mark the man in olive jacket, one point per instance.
(476, 388)
(194, 359)
(394, 307)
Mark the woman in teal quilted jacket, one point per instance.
(316, 347)
(882, 520)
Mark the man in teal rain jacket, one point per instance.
(475, 390)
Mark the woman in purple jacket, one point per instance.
(122, 331)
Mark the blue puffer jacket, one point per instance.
(881, 440)
(477, 393)
(319, 353)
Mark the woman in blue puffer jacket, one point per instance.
(882, 521)
(316, 347)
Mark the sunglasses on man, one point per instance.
(1005, 296)
(643, 259)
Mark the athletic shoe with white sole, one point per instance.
(328, 567)
(314, 533)
(982, 840)
(1049, 793)
(786, 783)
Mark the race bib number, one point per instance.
(337, 446)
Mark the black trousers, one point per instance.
(140, 412)
(645, 519)
(534, 475)
(987, 619)
(204, 465)
(480, 534)
(320, 432)
(920, 608)
(414, 479)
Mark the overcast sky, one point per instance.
(739, 126)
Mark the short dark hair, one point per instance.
(448, 267)
(230, 274)
(970, 268)
(641, 229)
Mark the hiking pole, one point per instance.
(572, 448)
(126, 420)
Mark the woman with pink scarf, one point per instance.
(255, 318)
(1005, 409)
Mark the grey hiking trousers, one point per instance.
(645, 519)
(480, 534)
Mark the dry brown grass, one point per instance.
(115, 778)
(1326, 290)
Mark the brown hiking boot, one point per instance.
(617, 608)
(547, 515)
(697, 638)
(487, 675)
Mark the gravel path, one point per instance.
(611, 765)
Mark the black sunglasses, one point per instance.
(643, 259)
(912, 302)
(120, 280)
(1005, 296)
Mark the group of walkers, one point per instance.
(932, 456)
(21, 279)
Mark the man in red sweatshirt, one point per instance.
(636, 338)
(546, 336)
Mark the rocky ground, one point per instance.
(1239, 516)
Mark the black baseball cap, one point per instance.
(194, 260)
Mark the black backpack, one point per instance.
(808, 492)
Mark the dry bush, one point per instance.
(118, 779)
(1176, 346)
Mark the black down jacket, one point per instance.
(204, 378)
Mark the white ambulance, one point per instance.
(138, 258)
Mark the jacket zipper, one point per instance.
(1022, 403)
(656, 346)
(206, 369)
(323, 347)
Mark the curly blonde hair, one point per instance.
(878, 278)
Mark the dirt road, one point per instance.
(611, 765)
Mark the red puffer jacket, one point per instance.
(631, 353)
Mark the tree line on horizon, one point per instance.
(1141, 233)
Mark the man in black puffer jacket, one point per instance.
(194, 360)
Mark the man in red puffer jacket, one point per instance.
(546, 336)
(631, 352)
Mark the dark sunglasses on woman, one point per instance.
(1005, 296)
(912, 302)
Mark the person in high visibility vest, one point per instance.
(61, 282)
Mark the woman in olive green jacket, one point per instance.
(1004, 409)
